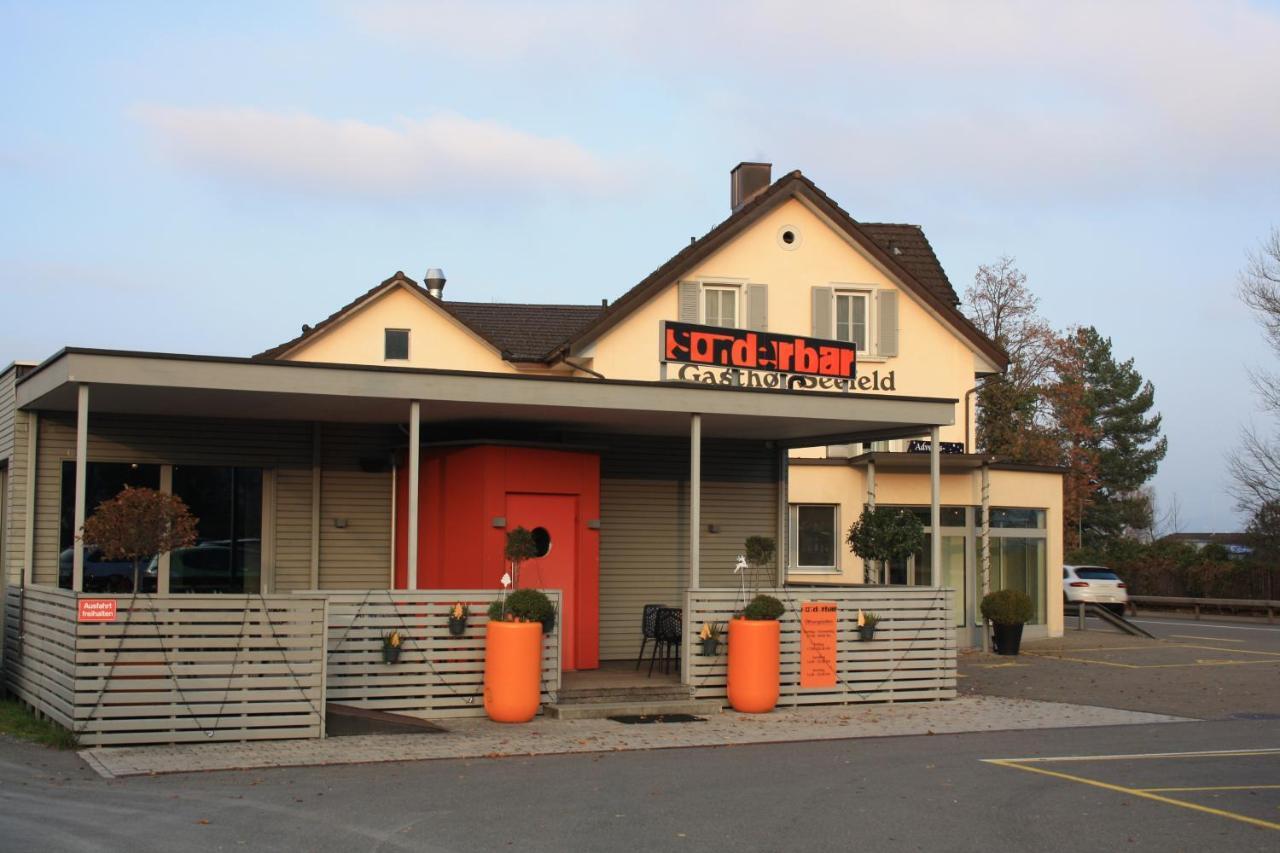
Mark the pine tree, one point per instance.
(1127, 438)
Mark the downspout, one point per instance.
(967, 395)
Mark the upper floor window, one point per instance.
(396, 344)
(720, 306)
(851, 318)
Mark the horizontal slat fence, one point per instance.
(40, 650)
(438, 675)
(175, 668)
(913, 655)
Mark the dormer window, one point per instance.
(396, 345)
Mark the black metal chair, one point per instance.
(648, 628)
(667, 637)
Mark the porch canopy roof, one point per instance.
(144, 383)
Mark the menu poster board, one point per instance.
(818, 644)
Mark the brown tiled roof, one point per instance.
(541, 332)
(524, 332)
(916, 257)
(519, 332)
(910, 248)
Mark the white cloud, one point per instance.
(444, 153)
(1079, 94)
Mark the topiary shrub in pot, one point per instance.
(513, 655)
(1007, 610)
(754, 657)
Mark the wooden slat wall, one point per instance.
(438, 675)
(644, 547)
(357, 556)
(913, 655)
(8, 407)
(16, 509)
(40, 669)
(202, 668)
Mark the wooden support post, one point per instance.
(82, 466)
(935, 505)
(415, 457)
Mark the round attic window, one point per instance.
(789, 237)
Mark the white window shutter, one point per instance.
(689, 301)
(887, 314)
(758, 307)
(822, 313)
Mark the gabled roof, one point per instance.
(541, 333)
(518, 332)
(916, 267)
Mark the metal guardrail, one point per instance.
(1268, 605)
(1097, 611)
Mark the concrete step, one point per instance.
(600, 710)
(666, 693)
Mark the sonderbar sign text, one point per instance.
(716, 346)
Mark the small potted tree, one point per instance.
(1007, 610)
(883, 534)
(513, 642)
(138, 524)
(755, 639)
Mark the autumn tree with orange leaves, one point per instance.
(138, 524)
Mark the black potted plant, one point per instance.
(458, 619)
(709, 636)
(1007, 610)
(392, 645)
(867, 623)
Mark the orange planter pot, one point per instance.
(512, 671)
(753, 665)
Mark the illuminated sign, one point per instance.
(741, 349)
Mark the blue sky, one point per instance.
(207, 177)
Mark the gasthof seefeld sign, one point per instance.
(715, 355)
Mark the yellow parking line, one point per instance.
(1135, 792)
(1198, 662)
(1211, 639)
(1217, 788)
(1205, 753)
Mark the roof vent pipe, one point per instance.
(434, 280)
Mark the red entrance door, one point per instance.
(553, 520)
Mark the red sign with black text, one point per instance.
(716, 346)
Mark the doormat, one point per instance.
(642, 719)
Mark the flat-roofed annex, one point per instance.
(143, 383)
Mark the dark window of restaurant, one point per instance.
(815, 541)
(227, 556)
(103, 482)
(397, 344)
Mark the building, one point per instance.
(769, 379)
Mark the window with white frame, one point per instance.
(719, 306)
(813, 535)
(853, 318)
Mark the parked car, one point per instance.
(1094, 585)
(101, 574)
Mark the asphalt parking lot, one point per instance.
(1215, 669)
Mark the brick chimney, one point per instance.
(748, 180)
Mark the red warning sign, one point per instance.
(97, 610)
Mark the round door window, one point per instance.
(541, 541)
